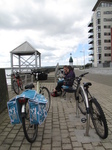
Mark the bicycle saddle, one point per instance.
(29, 86)
(87, 84)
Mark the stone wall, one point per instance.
(4, 97)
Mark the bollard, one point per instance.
(4, 97)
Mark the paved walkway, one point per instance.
(61, 130)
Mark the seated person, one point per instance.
(69, 77)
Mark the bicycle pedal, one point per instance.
(83, 120)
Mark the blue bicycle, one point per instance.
(30, 108)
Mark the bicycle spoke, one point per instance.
(98, 119)
(15, 87)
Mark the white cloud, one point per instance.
(53, 27)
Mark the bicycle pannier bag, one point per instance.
(38, 111)
(14, 111)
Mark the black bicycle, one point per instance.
(89, 106)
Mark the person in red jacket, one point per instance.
(68, 80)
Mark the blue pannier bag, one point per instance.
(14, 108)
(37, 108)
(14, 111)
(31, 94)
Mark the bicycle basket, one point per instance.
(42, 76)
(38, 111)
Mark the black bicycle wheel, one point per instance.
(81, 102)
(15, 87)
(45, 92)
(21, 84)
(30, 130)
(98, 119)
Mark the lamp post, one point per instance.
(84, 58)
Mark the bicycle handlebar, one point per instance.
(82, 75)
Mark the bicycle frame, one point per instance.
(87, 106)
(17, 80)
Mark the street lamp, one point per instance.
(84, 58)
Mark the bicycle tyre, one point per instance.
(45, 92)
(21, 84)
(15, 87)
(30, 130)
(81, 102)
(98, 119)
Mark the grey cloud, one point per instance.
(39, 19)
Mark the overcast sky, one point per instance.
(55, 28)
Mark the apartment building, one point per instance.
(100, 34)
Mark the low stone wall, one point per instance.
(4, 97)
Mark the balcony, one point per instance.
(92, 59)
(91, 48)
(90, 24)
(91, 42)
(90, 36)
(90, 31)
(91, 54)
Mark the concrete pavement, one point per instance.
(61, 130)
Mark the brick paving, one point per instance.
(61, 129)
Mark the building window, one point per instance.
(107, 12)
(99, 50)
(107, 19)
(107, 27)
(107, 55)
(98, 21)
(99, 42)
(99, 56)
(107, 33)
(99, 35)
(106, 4)
(107, 48)
(98, 28)
(107, 41)
(98, 14)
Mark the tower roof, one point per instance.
(24, 49)
(71, 59)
